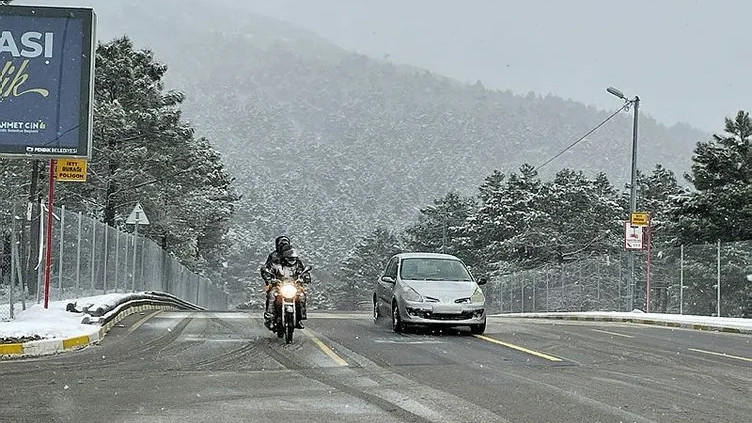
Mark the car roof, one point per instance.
(427, 255)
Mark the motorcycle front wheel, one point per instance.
(290, 327)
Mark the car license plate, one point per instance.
(446, 309)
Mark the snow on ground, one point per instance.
(730, 322)
(55, 322)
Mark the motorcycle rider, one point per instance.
(283, 260)
(281, 244)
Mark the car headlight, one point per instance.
(409, 294)
(288, 291)
(478, 296)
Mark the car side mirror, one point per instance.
(482, 281)
(388, 279)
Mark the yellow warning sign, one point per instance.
(640, 219)
(70, 170)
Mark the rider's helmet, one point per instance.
(282, 243)
(289, 257)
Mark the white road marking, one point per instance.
(406, 341)
(721, 354)
(612, 333)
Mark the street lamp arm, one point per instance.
(616, 92)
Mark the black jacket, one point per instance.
(275, 258)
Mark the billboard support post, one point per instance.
(48, 244)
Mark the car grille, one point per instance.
(445, 316)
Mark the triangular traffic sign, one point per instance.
(137, 216)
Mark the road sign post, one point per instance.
(638, 236)
(137, 217)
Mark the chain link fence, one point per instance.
(10, 264)
(683, 280)
(90, 258)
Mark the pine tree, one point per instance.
(656, 192)
(442, 227)
(584, 216)
(363, 266)
(727, 158)
(721, 208)
(144, 152)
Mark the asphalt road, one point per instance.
(225, 367)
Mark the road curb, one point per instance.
(58, 345)
(636, 320)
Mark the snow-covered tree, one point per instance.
(362, 268)
(721, 208)
(144, 152)
(442, 227)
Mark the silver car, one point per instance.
(429, 289)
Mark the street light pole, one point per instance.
(633, 180)
(633, 183)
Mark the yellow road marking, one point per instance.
(328, 351)
(75, 342)
(518, 348)
(8, 349)
(613, 333)
(721, 354)
(142, 321)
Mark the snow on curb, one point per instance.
(722, 324)
(64, 331)
(58, 345)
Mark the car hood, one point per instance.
(443, 290)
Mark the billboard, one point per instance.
(46, 81)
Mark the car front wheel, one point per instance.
(478, 329)
(396, 319)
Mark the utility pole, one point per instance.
(633, 181)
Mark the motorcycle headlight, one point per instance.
(478, 296)
(411, 295)
(288, 291)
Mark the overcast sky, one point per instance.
(688, 60)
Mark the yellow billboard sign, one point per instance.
(70, 170)
(640, 219)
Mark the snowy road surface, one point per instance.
(225, 367)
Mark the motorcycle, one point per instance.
(288, 290)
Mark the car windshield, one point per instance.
(434, 269)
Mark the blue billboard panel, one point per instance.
(46, 81)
